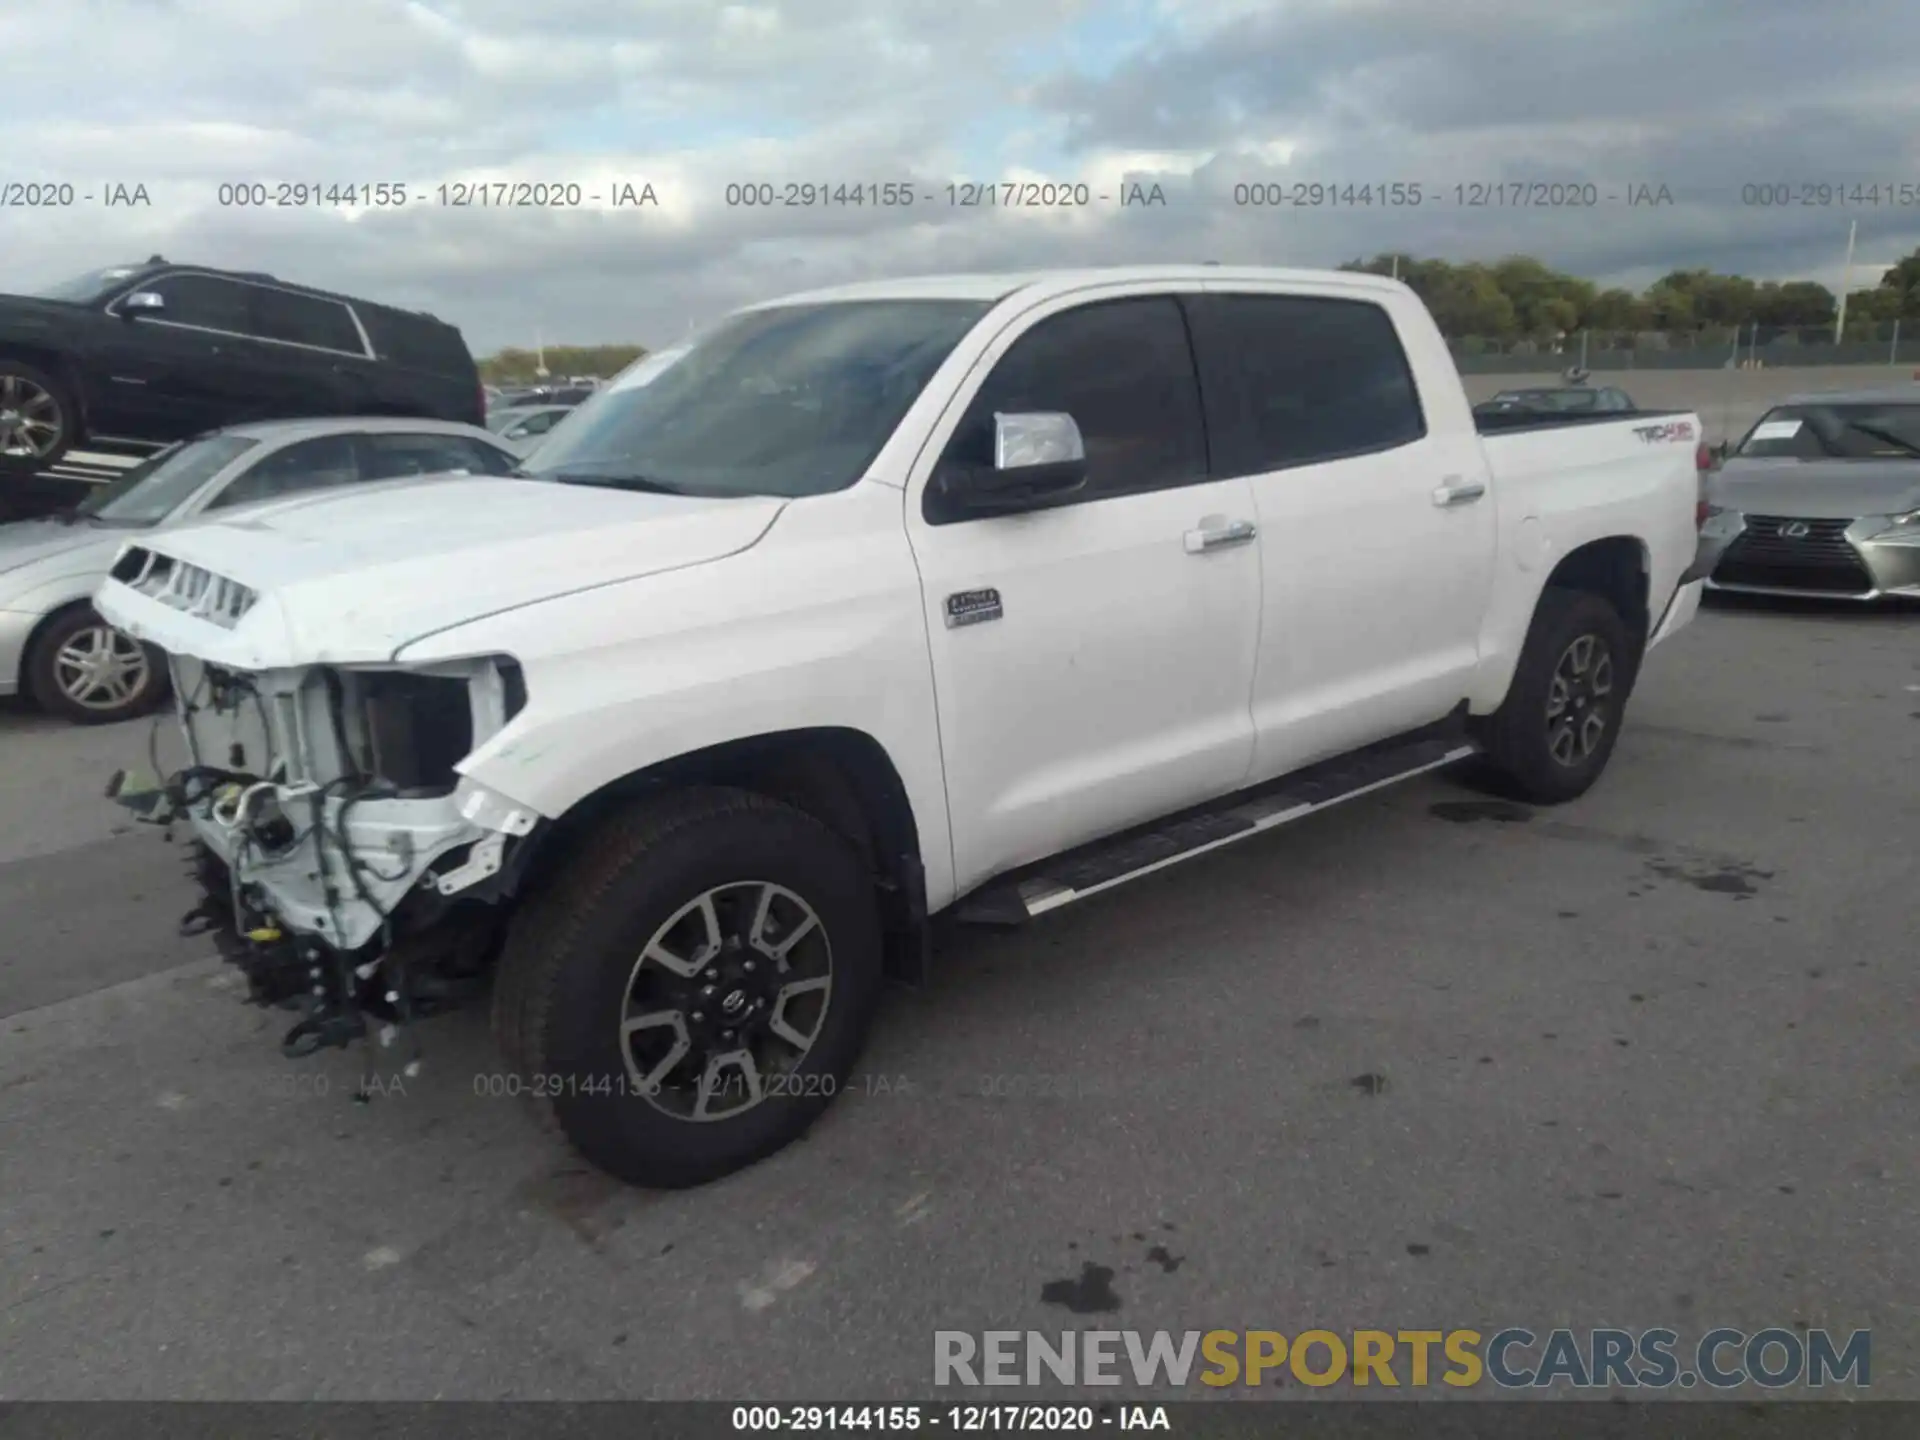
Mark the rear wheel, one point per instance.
(82, 668)
(690, 994)
(1555, 731)
(38, 420)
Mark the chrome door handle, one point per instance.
(1213, 537)
(1459, 492)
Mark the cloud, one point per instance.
(1202, 98)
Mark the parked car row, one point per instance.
(57, 651)
(143, 355)
(572, 392)
(1821, 498)
(524, 426)
(207, 390)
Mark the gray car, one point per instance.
(1821, 498)
(53, 648)
(525, 426)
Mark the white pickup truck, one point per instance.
(976, 595)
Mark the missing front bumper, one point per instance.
(344, 863)
(333, 796)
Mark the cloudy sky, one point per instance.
(1198, 97)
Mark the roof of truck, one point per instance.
(992, 287)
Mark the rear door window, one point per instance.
(416, 342)
(1297, 379)
(303, 320)
(387, 456)
(316, 464)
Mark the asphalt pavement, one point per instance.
(1428, 1060)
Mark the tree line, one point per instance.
(1516, 298)
(521, 367)
(1521, 297)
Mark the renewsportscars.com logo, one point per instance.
(1512, 1359)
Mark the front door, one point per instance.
(170, 374)
(1092, 661)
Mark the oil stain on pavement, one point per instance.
(1090, 1294)
(1734, 877)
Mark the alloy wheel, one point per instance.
(30, 419)
(100, 669)
(726, 1001)
(1577, 710)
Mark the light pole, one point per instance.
(1846, 284)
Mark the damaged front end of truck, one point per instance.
(350, 871)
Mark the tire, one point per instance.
(31, 399)
(571, 975)
(1527, 745)
(131, 685)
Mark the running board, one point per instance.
(1107, 864)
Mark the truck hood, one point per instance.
(353, 578)
(1817, 489)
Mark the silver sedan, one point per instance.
(525, 426)
(1821, 498)
(58, 653)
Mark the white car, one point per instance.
(56, 651)
(936, 595)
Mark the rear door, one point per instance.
(308, 355)
(1377, 530)
(1092, 661)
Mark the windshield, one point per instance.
(1858, 430)
(153, 489)
(90, 286)
(790, 401)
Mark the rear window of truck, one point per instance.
(416, 342)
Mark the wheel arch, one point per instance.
(1619, 569)
(841, 776)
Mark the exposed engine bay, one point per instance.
(348, 866)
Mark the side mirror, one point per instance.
(1038, 458)
(143, 302)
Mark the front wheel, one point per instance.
(1555, 731)
(82, 668)
(691, 993)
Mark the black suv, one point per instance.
(136, 356)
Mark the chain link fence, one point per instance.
(1750, 347)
